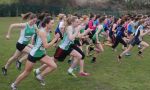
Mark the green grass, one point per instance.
(106, 74)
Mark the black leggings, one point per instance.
(117, 41)
(112, 37)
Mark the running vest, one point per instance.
(83, 29)
(137, 33)
(94, 36)
(66, 42)
(26, 34)
(38, 50)
(120, 31)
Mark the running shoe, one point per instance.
(4, 71)
(18, 64)
(13, 86)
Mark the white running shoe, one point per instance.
(13, 86)
(41, 80)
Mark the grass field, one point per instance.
(106, 73)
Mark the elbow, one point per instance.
(46, 46)
(11, 26)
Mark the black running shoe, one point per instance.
(119, 58)
(4, 71)
(69, 61)
(93, 60)
(140, 54)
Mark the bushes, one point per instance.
(18, 8)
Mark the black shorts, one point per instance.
(84, 41)
(77, 42)
(135, 41)
(94, 41)
(75, 47)
(20, 47)
(91, 34)
(34, 59)
(61, 54)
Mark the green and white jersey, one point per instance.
(26, 34)
(38, 50)
(66, 42)
(99, 34)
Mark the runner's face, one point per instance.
(75, 23)
(119, 21)
(34, 20)
(79, 21)
(50, 24)
(105, 21)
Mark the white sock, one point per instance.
(37, 71)
(70, 70)
(13, 84)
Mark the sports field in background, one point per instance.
(106, 73)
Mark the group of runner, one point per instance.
(73, 32)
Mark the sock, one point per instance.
(13, 84)
(70, 70)
(19, 61)
(5, 67)
(37, 71)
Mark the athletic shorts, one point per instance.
(20, 47)
(135, 41)
(94, 41)
(75, 47)
(34, 59)
(77, 42)
(85, 42)
(61, 54)
(91, 34)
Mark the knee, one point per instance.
(147, 45)
(102, 50)
(26, 72)
(98, 50)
